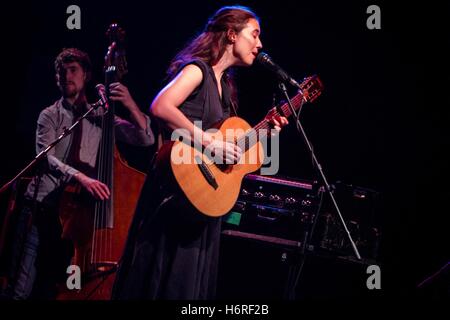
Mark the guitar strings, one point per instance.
(264, 124)
(97, 204)
(110, 183)
(107, 180)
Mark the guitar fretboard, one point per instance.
(263, 128)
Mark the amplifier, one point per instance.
(282, 211)
(360, 208)
(275, 207)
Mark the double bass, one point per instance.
(98, 229)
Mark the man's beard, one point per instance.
(69, 92)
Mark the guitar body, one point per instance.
(210, 200)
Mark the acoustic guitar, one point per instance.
(213, 187)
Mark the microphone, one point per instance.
(101, 92)
(264, 59)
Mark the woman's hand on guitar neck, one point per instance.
(276, 120)
(97, 189)
(221, 151)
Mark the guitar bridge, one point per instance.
(206, 173)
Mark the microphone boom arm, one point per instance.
(44, 152)
(264, 59)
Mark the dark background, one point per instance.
(381, 122)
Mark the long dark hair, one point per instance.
(210, 45)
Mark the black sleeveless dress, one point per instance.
(172, 250)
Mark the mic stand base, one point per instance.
(319, 168)
(293, 279)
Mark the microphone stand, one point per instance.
(37, 159)
(44, 152)
(317, 165)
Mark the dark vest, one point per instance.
(204, 103)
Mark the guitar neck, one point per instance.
(263, 128)
(296, 101)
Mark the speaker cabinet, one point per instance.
(252, 269)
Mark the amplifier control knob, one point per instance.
(274, 197)
(291, 200)
(258, 195)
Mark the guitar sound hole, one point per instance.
(225, 168)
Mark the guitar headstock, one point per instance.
(311, 88)
(115, 57)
